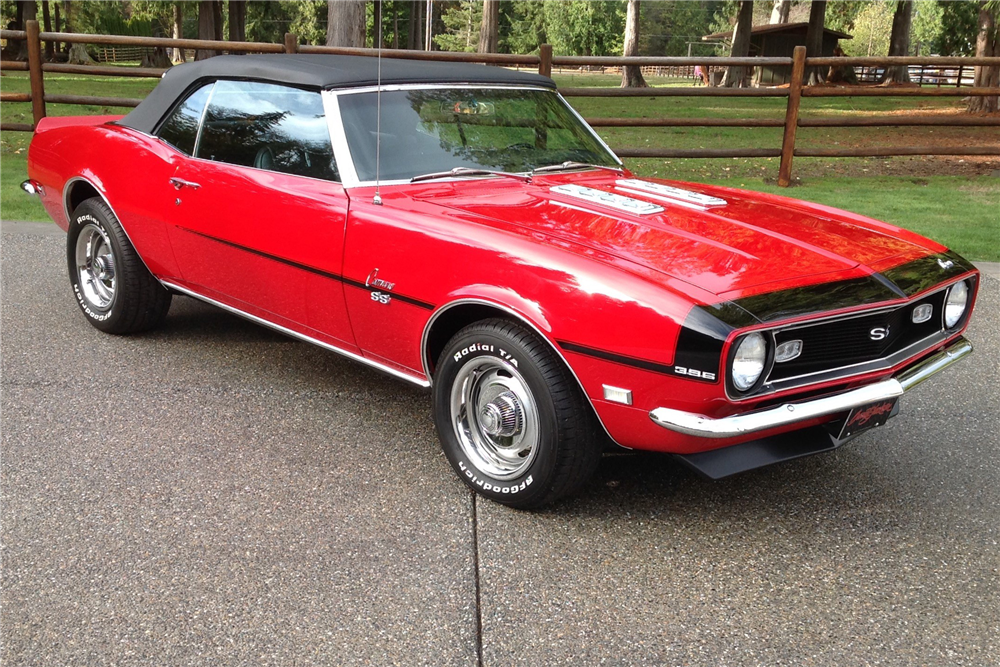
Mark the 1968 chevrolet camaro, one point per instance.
(461, 227)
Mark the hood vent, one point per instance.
(676, 194)
(609, 199)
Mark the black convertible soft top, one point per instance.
(314, 71)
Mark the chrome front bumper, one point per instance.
(791, 413)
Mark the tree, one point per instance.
(871, 30)
(814, 39)
(959, 27)
(346, 23)
(987, 44)
(47, 25)
(460, 22)
(415, 26)
(632, 74)
(237, 21)
(488, 29)
(780, 12)
(217, 20)
(736, 76)
(666, 28)
(178, 31)
(206, 27)
(899, 42)
(584, 28)
(29, 12)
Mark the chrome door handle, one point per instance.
(179, 183)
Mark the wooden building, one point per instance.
(778, 40)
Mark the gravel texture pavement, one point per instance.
(216, 494)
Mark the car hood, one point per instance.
(744, 243)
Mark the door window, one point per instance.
(180, 129)
(270, 127)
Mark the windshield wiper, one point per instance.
(569, 164)
(468, 171)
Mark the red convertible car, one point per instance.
(462, 228)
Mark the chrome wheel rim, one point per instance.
(95, 266)
(495, 418)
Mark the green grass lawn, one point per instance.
(956, 208)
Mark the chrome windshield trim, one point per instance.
(201, 121)
(592, 131)
(341, 147)
(433, 86)
(697, 425)
(338, 139)
(295, 334)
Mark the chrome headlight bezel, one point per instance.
(950, 319)
(764, 341)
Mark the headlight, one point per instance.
(749, 360)
(955, 304)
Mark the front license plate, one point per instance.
(866, 417)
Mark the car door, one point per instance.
(259, 213)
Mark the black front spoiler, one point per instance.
(727, 461)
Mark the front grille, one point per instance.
(838, 343)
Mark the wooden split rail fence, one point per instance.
(545, 61)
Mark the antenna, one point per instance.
(377, 199)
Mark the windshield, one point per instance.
(434, 130)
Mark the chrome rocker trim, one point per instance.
(420, 382)
(791, 413)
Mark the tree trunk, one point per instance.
(29, 12)
(78, 55)
(413, 24)
(987, 44)
(814, 40)
(736, 76)
(779, 14)
(58, 24)
(206, 27)
(178, 55)
(378, 36)
(66, 22)
(345, 23)
(217, 19)
(158, 57)
(899, 42)
(488, 37)
(47, 24)
(237, 22)
(632, 74)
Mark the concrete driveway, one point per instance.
(216, 494)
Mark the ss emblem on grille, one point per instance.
(878, 333)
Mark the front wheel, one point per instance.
(512, 420)
(113, 288)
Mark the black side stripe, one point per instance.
(311, 269)
(617, 358)
(395, 297)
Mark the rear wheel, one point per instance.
(113, 288)
(512, 420)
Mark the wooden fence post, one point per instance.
(291, 42)
(35, 72)
(545, 60)
(792, 116)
